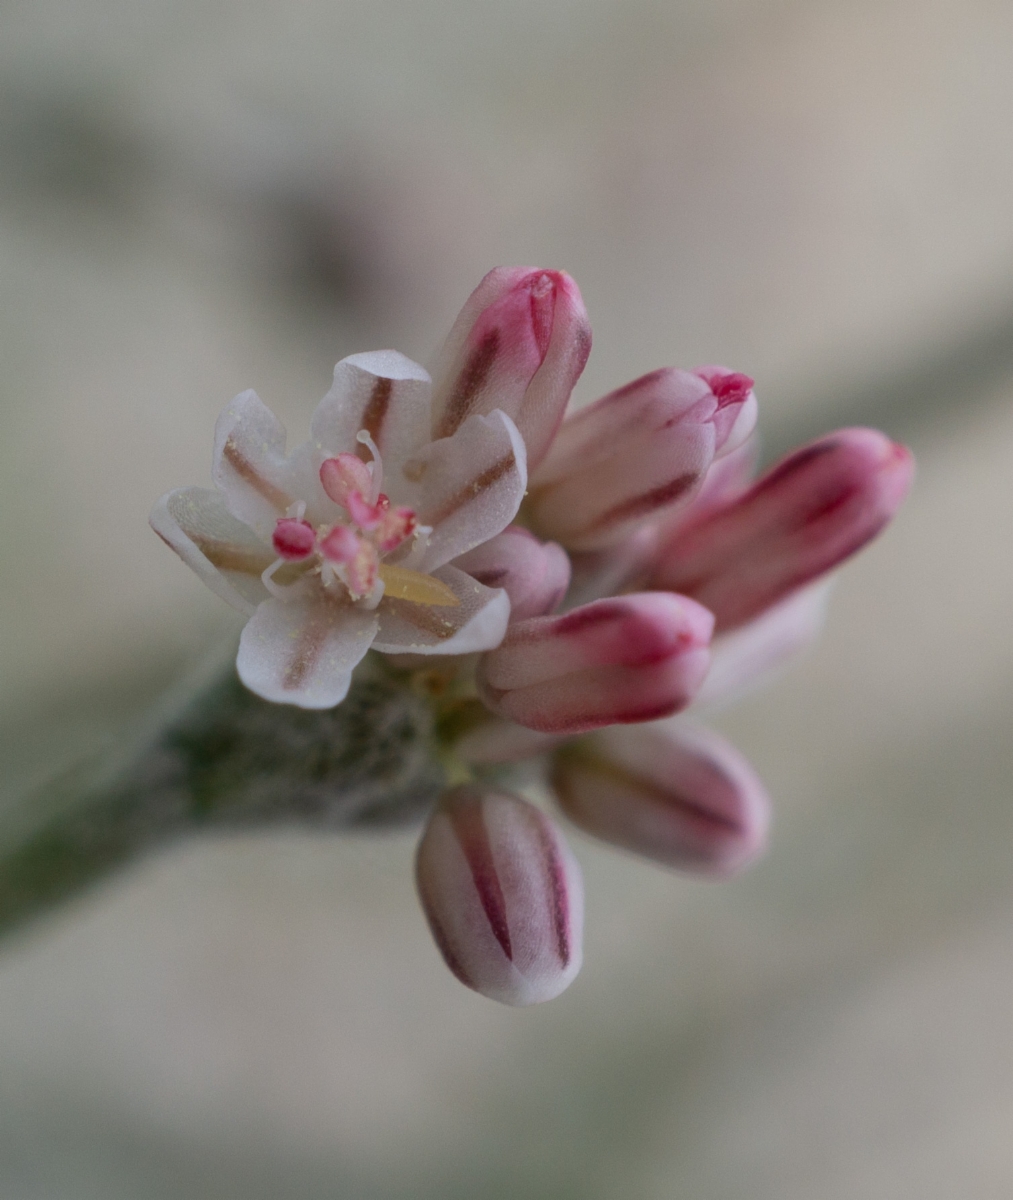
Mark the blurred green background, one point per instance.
(196, 199)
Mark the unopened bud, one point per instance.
(816, 508)
(674, 793)
(630, 658)
(519, 345)
(502, 894)
(638, 452)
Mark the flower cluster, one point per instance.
(579, 581)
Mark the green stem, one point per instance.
(222, 757)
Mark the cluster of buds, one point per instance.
(573, 583)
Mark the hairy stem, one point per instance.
(222, 757)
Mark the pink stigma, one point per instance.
(292, 539)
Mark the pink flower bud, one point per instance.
(519, 344)
(344, 474)
(534, 574)
(815, 509)
(502, 894)
(638, 452)
(292, 539)
(672, 792)
(615, 661)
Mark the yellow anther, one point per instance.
(399, 583)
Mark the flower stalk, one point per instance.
(218, 757)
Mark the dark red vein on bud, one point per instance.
(647, 502)
(468, 823)
(792, 464)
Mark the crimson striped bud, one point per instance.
(816, 508)
(502, 894)
(640, 452)
(620, 660)
(519, 345)
(675, 793)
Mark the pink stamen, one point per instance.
(365, 515)
(343, 475)
(293, 539)
(341, 545)
(396, 524)
(361, 572)
(729, 387)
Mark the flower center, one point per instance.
(349, 554)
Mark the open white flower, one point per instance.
(347, 542)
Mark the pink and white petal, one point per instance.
(590, 436)
(609, 695)
(673, 792)
(226, 554)
(656, 467)
(733, 436)
(478, 622)
(727, 479)
(633, 630)
(387, 395)
(629, 658)
(534, 574)
(250, 465)
(746, 658)
(813, 510)
(502, 894)
(737, 409)
(302, 651)
(469, 486)
(519, 345)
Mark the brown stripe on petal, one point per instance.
(375, 413)
(228, 557)
(464, 495)
(246, 471)
(468, 822)
(646, 503)
(469, 385)
(309, 644)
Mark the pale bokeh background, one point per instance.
(196, 199)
